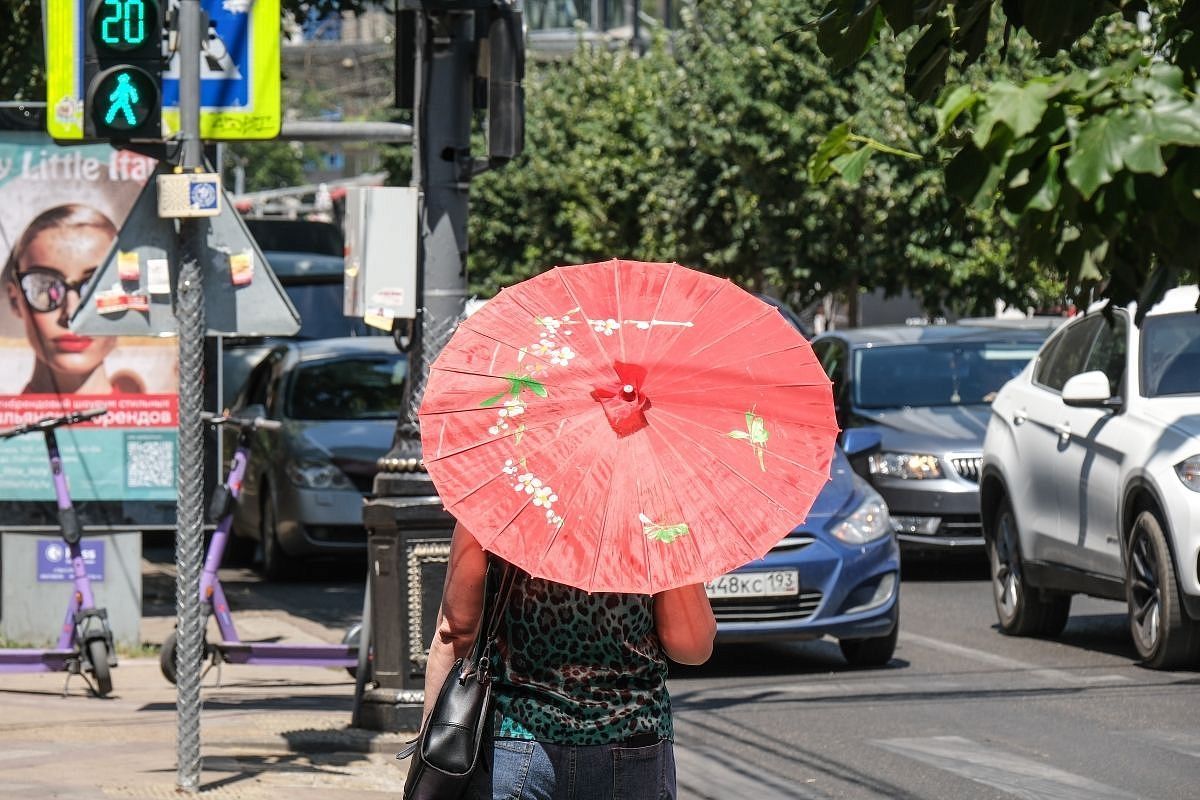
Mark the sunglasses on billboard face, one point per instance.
(46, 291)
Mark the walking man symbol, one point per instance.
(122, 99)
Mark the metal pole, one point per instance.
(442, 170)
(189, 311)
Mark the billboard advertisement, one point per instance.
(60, 211)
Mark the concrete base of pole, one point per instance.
(390, 710)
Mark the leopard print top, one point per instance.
(579, 668)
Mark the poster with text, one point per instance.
(60, 211)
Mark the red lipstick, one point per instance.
(73, 344)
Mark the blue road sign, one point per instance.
(225, 66)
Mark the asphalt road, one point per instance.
(961, 712)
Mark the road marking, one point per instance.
(984, 657)
(1023, 777)
(13, 755)
(705, 773)
(1185, 742)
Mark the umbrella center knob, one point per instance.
(628, 392)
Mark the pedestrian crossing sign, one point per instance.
(239, 70)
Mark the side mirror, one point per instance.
(1089, 390)
(860, 441)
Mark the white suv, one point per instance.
(1091, 478)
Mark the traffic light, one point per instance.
(122, 70)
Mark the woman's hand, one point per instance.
(685, 624)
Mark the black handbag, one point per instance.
(446, 753)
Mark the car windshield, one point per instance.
(1171, 354)
(349, 388)
(936, 374)
(320, 307)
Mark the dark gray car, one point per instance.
(926, 391)
(338, 400)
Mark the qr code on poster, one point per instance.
(149, 462)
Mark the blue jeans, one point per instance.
(529, 770)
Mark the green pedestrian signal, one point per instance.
(123, 100)
(122, 67)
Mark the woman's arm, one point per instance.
(685, 624)
(460, 612)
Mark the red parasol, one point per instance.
(627, 426)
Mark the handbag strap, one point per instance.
(494, 605)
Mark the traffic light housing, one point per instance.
(122, 70)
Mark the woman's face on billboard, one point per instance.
(51, 271)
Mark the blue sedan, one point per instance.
(837, 574)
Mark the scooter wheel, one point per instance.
(167, 656)
(97, 652)
(166, 659)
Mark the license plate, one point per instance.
(776, 583)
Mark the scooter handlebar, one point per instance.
(74, 418)
(243, 423)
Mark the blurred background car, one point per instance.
(306, 256)
(1091, 478)
(836, 574)
(302, 496)
(926, 391)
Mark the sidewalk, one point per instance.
(265, 732)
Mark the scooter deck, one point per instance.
(301, 655)
(33, 660)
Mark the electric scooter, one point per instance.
(85, 641)
(231, 649)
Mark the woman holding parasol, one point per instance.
(620, 433)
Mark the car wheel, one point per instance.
(239, 550)
(875, 652)
(1164, 636)
(276, 563)
(1021, 609)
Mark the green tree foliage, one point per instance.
(22, 62)
(1098, 167)
(697, 152)
(270, 164)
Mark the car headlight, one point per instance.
(317, 475)
(1188, 471)
(866, 523)
(912, 466)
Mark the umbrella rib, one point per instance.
(526, 429)
(662, 412)
(665, 348)
(666, 477)
(720, 508)
(662, 394)
(575, 299)
(711, 343)
(682, 434)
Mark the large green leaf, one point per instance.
(971, 19)
(835, 143)
(1143, 151)
(1018, 107)
(953, 103)
(972, 177)
(852, 165)
(1176, 121)
(847, 30)
(1099, 150)
(927, 60)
